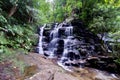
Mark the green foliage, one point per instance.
(6, 52)
(19, 64)
(2, 20)
(62, 9)
(117, 61)
(100, 16)
(16, 26)
(105, 18)
(18, 18)
(42, 11)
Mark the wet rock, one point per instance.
(83, 52)
(93, 59)
(48, 70)
(108, 59)
(104, 63)
(75, 64)
(67, 64)
(46, 53)
(46, 32)
(72, 42)
(61, 42)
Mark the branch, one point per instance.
(3, 29)
(12, 11)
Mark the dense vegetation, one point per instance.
(19, 19)
(99, 16)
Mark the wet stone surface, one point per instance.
(47, 69)
(74, 46)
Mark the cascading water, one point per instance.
(40, 48)
(55, 32)
(63, 45)
(70, 50)
(69, 31)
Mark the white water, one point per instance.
(69, 31)
(70, 46)
(40, 40)
(55, 32)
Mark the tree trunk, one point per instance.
(12, 11)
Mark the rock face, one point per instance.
(104, 63)
(70, 43)
(73, 46)
(48, 70)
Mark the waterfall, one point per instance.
(73, 47)
(55, 32)
(63, 45)
(40, 40)
(69, 31)
(53, 47)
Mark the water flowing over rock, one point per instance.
(72, 45)
(40, 39)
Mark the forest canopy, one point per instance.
(19, 18)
